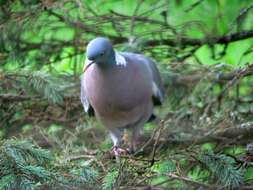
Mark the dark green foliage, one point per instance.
(23, 162)
(224, 170)
(42, 83)
(109, 181)
(25, 167)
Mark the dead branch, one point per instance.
(239, 132)
(16, 97)
(178, 79)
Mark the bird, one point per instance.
(120, 89)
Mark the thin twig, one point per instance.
(161, 127)
(186, 180)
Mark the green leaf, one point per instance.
(248, 174)
(109, 180)
(43, 83)
(223, 168)
(6, 180)
(164, 167)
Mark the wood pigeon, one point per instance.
(121, 88)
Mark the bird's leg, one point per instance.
(135, 138)
(116, 139)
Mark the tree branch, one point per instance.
(178, 79)
(16, 97)
(241, 132)
(198, 42)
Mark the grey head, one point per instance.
(100, 51)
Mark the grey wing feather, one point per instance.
(86, 105)
(158, 89)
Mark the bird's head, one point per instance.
(100, 52)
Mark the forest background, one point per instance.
(203, 137)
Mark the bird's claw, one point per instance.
(120, 151)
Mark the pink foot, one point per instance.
(119, 151)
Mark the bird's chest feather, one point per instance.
(117, 90)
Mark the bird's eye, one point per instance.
(101, 54)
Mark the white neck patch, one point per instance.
(120, 60)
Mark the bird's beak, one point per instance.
(86, 66)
